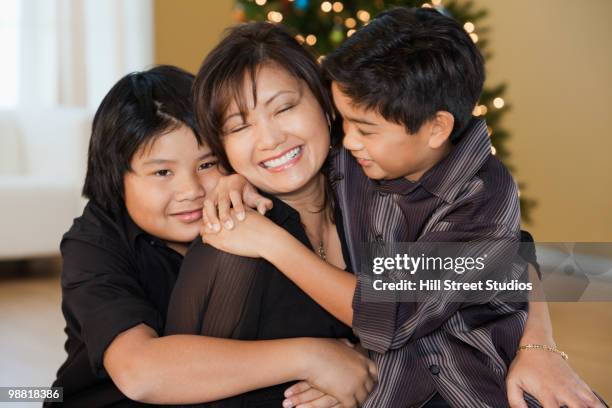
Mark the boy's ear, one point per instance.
(441, 128)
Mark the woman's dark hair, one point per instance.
(240, 54)
(139, 108)
(407, 64)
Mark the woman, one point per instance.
(255, 105)
(147, 176)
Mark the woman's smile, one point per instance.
(283, 161)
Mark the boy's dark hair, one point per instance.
(221, 77)
(140, 107)
(409, 63)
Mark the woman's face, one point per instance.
(284, 140)
(165, 190)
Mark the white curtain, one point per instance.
(72, 51)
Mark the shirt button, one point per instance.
(381, 194)
(379, 238)
(152, 242)
(434, 369)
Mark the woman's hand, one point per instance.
(232, 191)
(340, 371)
(548, 378)
(247, 238)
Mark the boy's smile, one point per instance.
(384, 149)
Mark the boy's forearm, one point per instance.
(185, 369)
(329, 286)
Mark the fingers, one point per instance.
(549, 401)
(297, 388)
(515, 396)
(237, 204)
(224, 212)
(263, 205)
(307, 398)
(253, 199)
(347, 342)
(373, 370)
(326, 401)
(211, 215)
(361, 396)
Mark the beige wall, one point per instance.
(185, 30)
(556, 58)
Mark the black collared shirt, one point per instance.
(114, 277)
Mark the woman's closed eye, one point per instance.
(285, 108)
(239, 128)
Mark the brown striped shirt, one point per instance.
(460, 351)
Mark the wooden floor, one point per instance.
(31, 330)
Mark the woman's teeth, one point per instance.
(279, 161)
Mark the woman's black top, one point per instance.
(114, 277)
(223, 295)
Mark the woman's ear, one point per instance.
(441, 128)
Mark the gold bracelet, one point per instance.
(552, 349)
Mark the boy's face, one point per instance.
(164, 192)
(385, 150)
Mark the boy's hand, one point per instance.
(304, 395)
(232, 191)
(245, 237)
(548, 378)
(340, 371)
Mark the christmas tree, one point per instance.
(323, 25)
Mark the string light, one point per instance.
(326, 6)
(363, 16)
(483, 110)
(474, 37)
(426, 5)
(498, 102)
(350, 32)
(476, 111)
(338, 6)
(489, 130)
(436, 2)
(260, 2)
(275, 16)
(350, 22)
(493, 150)
(469, 27)
(311, 39)
(518, 192)
(300, 38)
(320, 59)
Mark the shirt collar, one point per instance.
(133, 231)
(447, 177)
(466, 158)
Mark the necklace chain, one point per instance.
(321, 251)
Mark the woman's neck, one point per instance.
(309, 200)
(310, 203)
